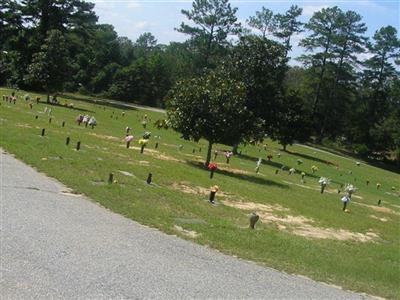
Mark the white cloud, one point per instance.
(309, 10)
(141, 25)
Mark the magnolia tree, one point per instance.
(213, 107)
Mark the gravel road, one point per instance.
(59, 246)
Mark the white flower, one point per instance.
(324, 181)
(92, 121)
(350, 189)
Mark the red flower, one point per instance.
(212, 166)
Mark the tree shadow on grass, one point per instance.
(253, 179)
(279, 165)
(102, 102)
(388, 166)
(67, 107)
(305, 156)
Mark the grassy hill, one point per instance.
(300, 230)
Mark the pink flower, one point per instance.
(129, 138)
(228, 154)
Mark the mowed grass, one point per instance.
(370, 266)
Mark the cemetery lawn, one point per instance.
(300, 231)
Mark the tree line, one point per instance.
(228, 82)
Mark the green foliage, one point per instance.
(212, 107)
(286, 25)
(293, 121)
(261, 65)
(214, 20)
(263, 21)
(50, 66)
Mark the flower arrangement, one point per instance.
(292, 170)
(143, 143)
(323, 181)
(78, 119)
(378, 185)
(228, 155)
(358, 163)
(128, 140)
(279, 155)
(92, 122)
(350, 189)
(146, 135)
(299, 162)
(212, 167)
(314, 169)
(86, 119)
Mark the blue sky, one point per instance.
(133, 17)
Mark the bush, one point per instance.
(83, 91)
(361, 149)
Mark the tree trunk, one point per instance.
(284, 147)
(48, 97)
(209, 153)
(321, 76)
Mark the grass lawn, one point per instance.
(300, 230)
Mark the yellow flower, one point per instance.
(143, 142)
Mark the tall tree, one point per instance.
(385, 50)
(288, 25)
(214, 21)
(263, 21)
(10, 20)
(347, 44)
(261, 65)
(145, 44)
(49, 67)
(323, 27)
(378, 77)
(58, 14)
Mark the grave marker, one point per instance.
(149, 178)
(253, 220)
(110, 178)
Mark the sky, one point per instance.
(131, 18)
